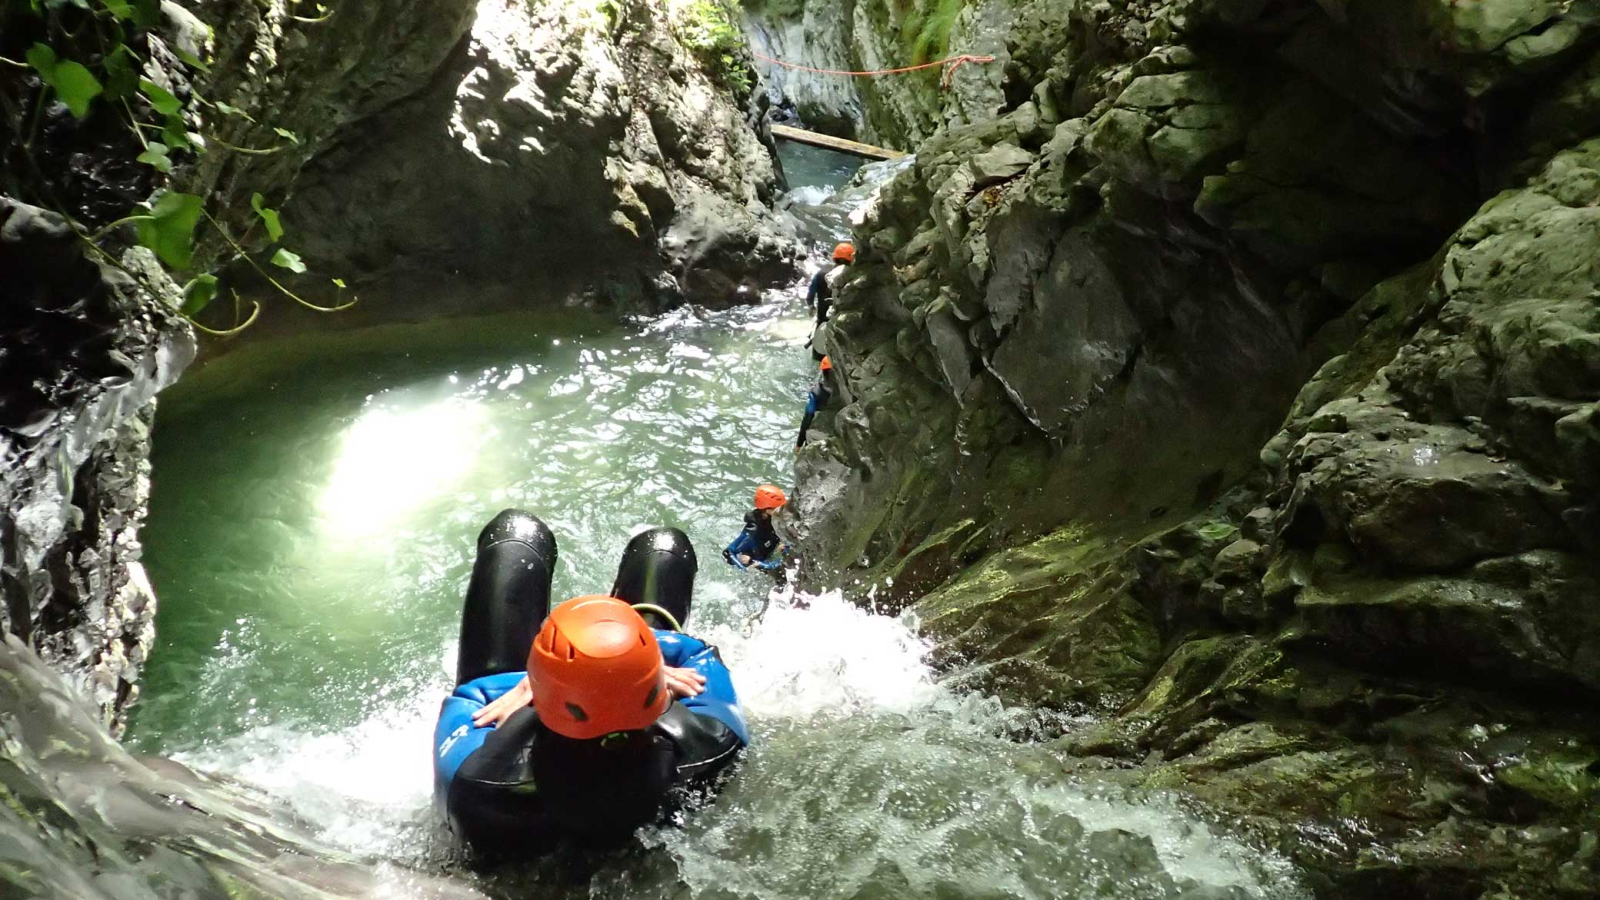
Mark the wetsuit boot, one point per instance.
(508, 597)
(658, 568)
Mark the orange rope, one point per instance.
(954, 62)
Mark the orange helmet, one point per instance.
(844, 253)
(596, 668)
(827, 364)
(769, 497)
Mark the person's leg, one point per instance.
(508, 597)
(658, 567)
(813, 401)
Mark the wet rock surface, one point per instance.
(1235, 383)
(83, 818)
(560, 149)
(86, 348)
(898, 111)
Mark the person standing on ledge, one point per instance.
(823, 284)
(758, 546)
(821, 393)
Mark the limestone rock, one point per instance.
(563, 150)
(86, 350)
(1002, 162)
(1269, 436)
(896, 111)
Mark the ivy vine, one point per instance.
(93, 57)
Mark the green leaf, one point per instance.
(156, 155)
(147, 13)
(198, 293)
(43, 59)
(339, 283)
(161, 99)
(122, 9)
(228, 109)
(1216, 531)
(75, 85)
(268, 216)
(288, 260)
(121, 78)
(170, 229)
(288, 135)
(175, 132)
(190, 59)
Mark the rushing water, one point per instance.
(311, 533)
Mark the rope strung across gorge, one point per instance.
(954, 62)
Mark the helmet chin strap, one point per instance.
(652, 608)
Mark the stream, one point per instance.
(311, 534)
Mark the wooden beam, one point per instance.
(832, 143)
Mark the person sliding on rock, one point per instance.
(821, 393)
(586, 721)
(823, 284)
(758, 546)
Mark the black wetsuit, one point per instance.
(525, 784)
(816, 400)
(820, 296)
(759, 540)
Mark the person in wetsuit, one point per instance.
(819, 296)
(820, 394)
(758, 545)
(585, 722)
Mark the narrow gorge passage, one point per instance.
(311, 535)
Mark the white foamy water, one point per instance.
(861, 758)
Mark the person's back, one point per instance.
(819, 296)
(595, 741)
(528, 779)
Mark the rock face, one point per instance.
(560, 149)
(86, 348)
(1190, 390)
(897, 111)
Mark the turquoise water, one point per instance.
(309, 538)
(311, 532)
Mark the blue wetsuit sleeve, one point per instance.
(677, 647)
(719, 700)
(744, 543)
(454, 736)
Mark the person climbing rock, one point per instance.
(820, 394)
(758, 545)
(584, 722)
(820, 295)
